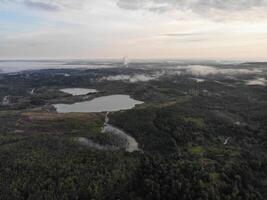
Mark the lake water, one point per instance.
(102, 104)
(78, 91)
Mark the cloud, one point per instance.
(198, 80)
(202, 71)
(200, 7)
(194, 5)
(132, 5)
(134, 78)
(182, 34)
(154, 29)
(192, 70)
(258, 81)
(197, 6)
(47, 6)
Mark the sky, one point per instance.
(145, 29)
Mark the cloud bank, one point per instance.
(48, 5)
(258, 81)
(178, 29)
(132, 79)
(193, 5)
(200, 7)
(217, 10)
(201, 70)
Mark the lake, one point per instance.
(78, 91)
(102, 104)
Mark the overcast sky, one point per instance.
(182, 29)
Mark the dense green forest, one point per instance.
(198, 141)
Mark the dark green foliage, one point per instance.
(181, 130)
(55, 168)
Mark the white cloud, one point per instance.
(193, 29)
(202, 70)
(258, 81)
(47, 5)
(134, 78)
(199, 6)
(198, 80)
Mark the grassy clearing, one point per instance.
(183, 99)
(197, 121)
(197, 150)
(223, 151)
(73, 124)
(214, 177)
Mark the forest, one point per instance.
(197, 140)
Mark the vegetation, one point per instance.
(198, 141)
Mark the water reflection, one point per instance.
(78, 91)
(102, 104)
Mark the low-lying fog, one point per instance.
(257, 81)
(250, 74)
(198, 73)
(17, 66)
(133, 78)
